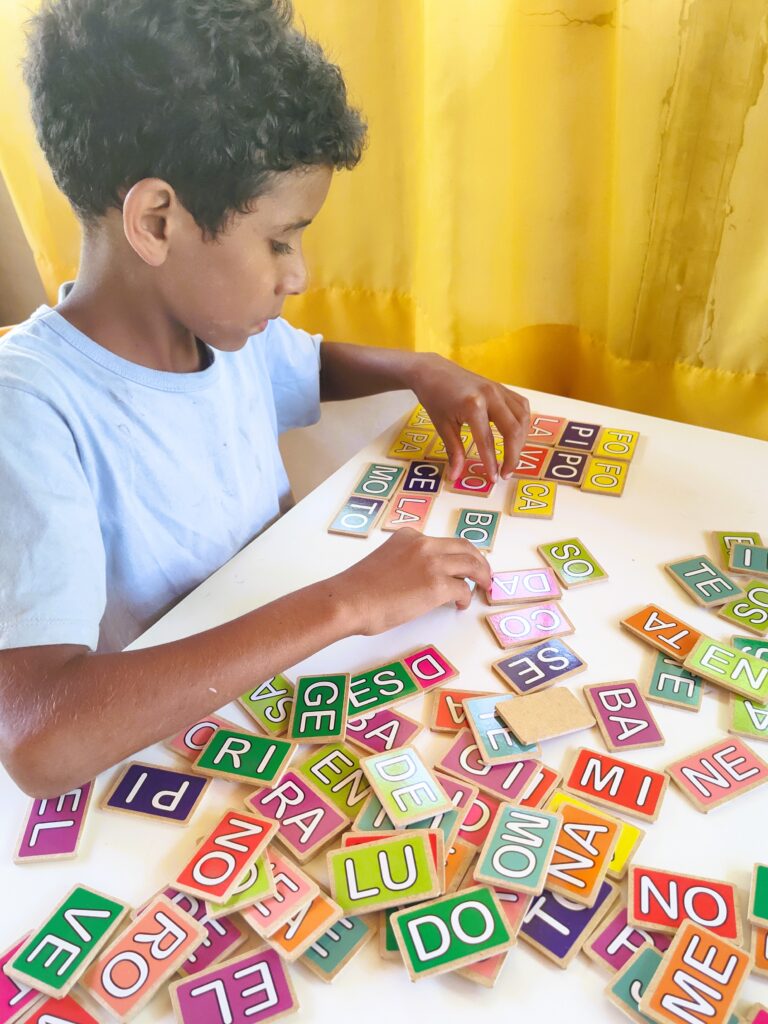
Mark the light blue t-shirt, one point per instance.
(122, 487)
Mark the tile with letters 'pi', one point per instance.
(523, 586)
(533, 499)
(663, 631)
(159, 793)
(580, 437)
(696, 962)
(306, 819)
(190, 741)
(674, 685)
(623, 715)
(329, 954)
(701, 579)
(616, 941)
(572, 562)
(244, 757)
(750, 611)
(527, 624)
(478, 527)
(407, 509)
(726, 666)
(605, 476)
(567, 468)
(749, 558)
(247, 989)
(558, 927)
(618, 784)
(719, 773)
(15, 997)
(144, 955)
(53, 828)
(294, 889)
(379, 480)
(662, 900)
(473, 479)
(269, 704)
(531, 461)
(225, 854)
(538, 667)
(357, 516)
(382, 730)
(58, 1011)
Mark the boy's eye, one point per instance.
(282, 248)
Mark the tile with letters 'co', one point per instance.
(405, 786)
(629, 836)
(190, 741)
(222, 935)
(539, 667)
(527, 624)
(496, 742)
(583, 850)
(247, 989)
(473, 479)
(225, 854)
(523, 586)
(572, 562)
(389, 872)
(81, 924)
(662, 900)
(58, 1011)
(269, 704)
(446, 708)
(558, 927)
(336, 772)
(725, 539)
(719, 773)
(304, 928)
(16, 998)
(663, 631)
(451, 931)
(504, 781)
(329, 954)
(532, 460)
(424, 478)
(518, 850)
(750, 611)
(618, 784)
(751, 559)
(53, 827)
(320, 705)
(700, 578)
(294, 889)
(696, 962)
(605, 476)
(565, 467)
(623, 715)
(407, 509)
(533, 499)
(730, 668)
(306, 819)
(757, 908)
(379, 480)
(616, 941)
(128, 973)
(357, 516)
(674, 685)
(154, 792)
(257, 883)
(478, 527)
(244, 757)
(382, 730)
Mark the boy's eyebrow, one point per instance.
(296, 226)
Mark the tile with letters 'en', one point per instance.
(478, 527)
(244, 757)
(215, 868)
(382, 730)
(319, 712)
(533, 499)
(750, 611)
(617, 784)
(623, 715)
(605, 476)
(527, 624)
(718, 773)
(379, 480)
(357, 516)
(190, 741)
(389, 872)
(407, 509)
(159, 793)
(735, 670)
(248, 989)
(662, 900)
(749, 558)
(269, 704)
(15, 997)
(523, 586)
(615, 941)
(329, 954)
(540, 666)
(572, 562)
(663, 631)
(703, 581)
(558, 927)
(531, 461)
(306, 819)
(672, 684)
(519, 848)
(53, 827)
(335, 770)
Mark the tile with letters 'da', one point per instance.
(523, 586)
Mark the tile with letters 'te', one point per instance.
(701, 579)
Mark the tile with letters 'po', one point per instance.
(719, 773)
(154, 792)
(540, 666)
(53, 827)
(567, 468)
(527, 624)
(623, 715)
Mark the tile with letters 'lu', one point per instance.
(533, 499)
(320, 705)
(750, 611)
(672, 684)
(473, 479)
(357, 516)
(405, 786)
(16, 998)
(75, 930)
(532, 460)
(389, 872)
(496, 743)
(567, 468)
(572, 562)
(662, 900)
(623, 715)
(558, 927)
(247, 989)
(379, 480)
(295, 937)
(58, 1011)
(615, 941)
(294, 889)
(663, 631)
(269, 704)
(618, 784)
(222, 934)
(519, 848)
(505, 781)
(329, 954)
(336, 772)
(703, 581)
(605, 476)
(735, 670)
(748, 719)
(546, 430)
(527, 624)
(382, 730)
(580, 437)
(583, 850)
(719, 773)
(757, 908)
(446, 709)
(751, 559)
(244, 757)
(190, 741)
(539, 666)
(478, 527)
(451, 931)
(615, 443)
(523, 586)
(696, 962)
(306, 819)
(256, 884)
(225, 854)
(725, 539)
(128, 973)
(629, 836)
(424, 478)
(407, 509)
(154, 792)
(53, 827)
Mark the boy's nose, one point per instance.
(295, 281)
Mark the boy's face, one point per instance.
(227, 289)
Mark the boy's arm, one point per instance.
(451, 395)
(66, 715)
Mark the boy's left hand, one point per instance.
(453, 396)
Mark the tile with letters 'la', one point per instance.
(269, 704)
(623, 715)
(615, 941)
(558, 927)
(407, 509)
(523, 586)
(247, 989)
(617, 784)
(662, 900)
(190, 741)
(719, 773)
(329, 954)
(53, 827)
(154, 792)
(750, 610)
(674, 685)
(244, 757)
(540, 666)
(357, 516)
(382, 730)
(546, 430)
(527, 624)
(306, 819)
(665, 632)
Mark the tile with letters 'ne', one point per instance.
(306, 819)
(533, 499)
(726, 666)
(80, 926)
(672, 684)
(718, 773)
(527, 624)
(629, 836)
(623, 715)
(605, 476)
(190, 741)
(244, 757)
(749, 558)
(330, 954)
(269, 704)
(154, 792)
(451, 931)
(665, 632)
(478, 527)
(703, 581)
(538, 667)
(615, 941)
(382, 730)
(357, 516)
(389, 872)
(406, 787)
(662, 900)
(696, 962)
(750, 611)
(558, 927)
(294, 889)
(523, 586)
(53, 827)
(379, 480)
(215, 868)
(58, 1011)
(247, 989)
(572, 562)
(144, 955)
(319, 712)
(617, 784)
(16, 998)
(519, 848)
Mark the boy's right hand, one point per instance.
(410, 574)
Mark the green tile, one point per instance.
(572, 562)
(269, 704)
(703, 581)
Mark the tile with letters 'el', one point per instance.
(306, 819)
(615, 941)
(617, 784)
(558, 927)
(144, 955)
(662, 900)
(53, 828)
(623, 716)
(294, 889)
(539, 666)
(523, 586)
(527, 624)
(154, 792)
(382, 730)
(665, 632)
(329, 954)
(225, 854)
(248, 989)
(718, 773)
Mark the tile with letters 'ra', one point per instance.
(583, 850)
(451, 931)
(319, 712)
(757, 908)
(718, 773)
(725, 539)
(269, 704)
(672, 684)
(605, 476)
(750, 611)
(304, 928)
(294, 889)
(379, 480)
(190, 741)
(16, 998)
(405, 786)
(154, 792)
(478, 527)
(128, 973)
(527, 624)
(389, 872)
(523, 586)
(53, 828)
(572, 562)
(215, 868)
(357, 516)
(244, 757)
(618, 784)
(59, 1011)
(248, 989)
(726, 666)
(558, 927)
(663, 631)
(382, 730)
(616, 941)
(495, 741)
(623, 715)
(531, 461)
(538, 667)
(629, 837)
(533, 499)
(662, 900)
(546, 715)
(519, 848)
(329, 954)
(698, 967)
(749, 558)
(407, 509)
(77, 929)
(703, 581)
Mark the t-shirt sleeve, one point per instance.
(293, 362)
(52, 562)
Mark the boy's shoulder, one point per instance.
(30, 360)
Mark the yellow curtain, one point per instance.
(571, 199)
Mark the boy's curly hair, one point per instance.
(213, 96)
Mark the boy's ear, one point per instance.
(149, 207)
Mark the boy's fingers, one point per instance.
(463, 567)
(480, 426)
(514, 433)
(452, 440)
(461, 595)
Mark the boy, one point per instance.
(196, 140)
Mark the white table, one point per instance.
(671, 502)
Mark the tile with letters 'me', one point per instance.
(538, 667)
